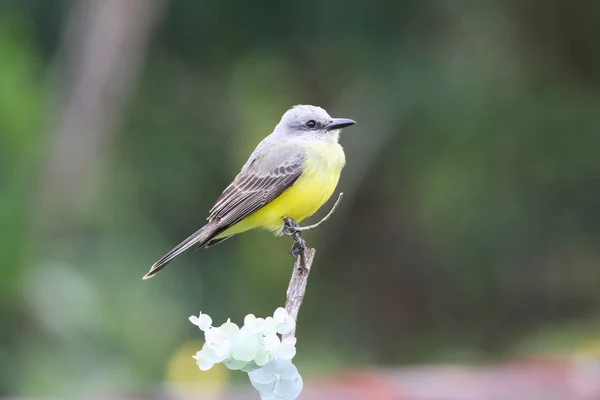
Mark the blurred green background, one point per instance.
(470, 227)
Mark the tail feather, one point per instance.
(213, 242)
(198, 238)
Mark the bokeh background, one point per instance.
(467, 242)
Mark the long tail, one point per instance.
(197, 239)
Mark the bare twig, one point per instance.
(297, 287)
(302, 266)
(325, 218)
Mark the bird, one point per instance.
(288, 177)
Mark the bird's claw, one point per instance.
(289, 226)
(298, 248)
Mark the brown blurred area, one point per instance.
(463, 263)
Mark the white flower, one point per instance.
(269, 326)
(245, 346)
(285, 323)
(279, 379)
(234, 364)
(253, 324)
(230, 329)
(257, 349)
(262, 356)
(202, 321)
(272, 343)
(287, 350)
(202, 362)
(218, 342)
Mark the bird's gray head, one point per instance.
(305, 121)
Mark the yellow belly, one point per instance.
(314, 187)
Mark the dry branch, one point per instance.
(302, 266)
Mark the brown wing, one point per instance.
(250, 191)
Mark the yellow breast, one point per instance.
(314, 187)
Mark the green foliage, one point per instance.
(21, 113)
(470, 218)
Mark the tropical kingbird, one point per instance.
(290, 174)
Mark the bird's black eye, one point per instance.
(311, 124)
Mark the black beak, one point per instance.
(339, 123)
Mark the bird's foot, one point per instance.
(289, 226)
(298, 248)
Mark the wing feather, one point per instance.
(254, 187)
(252, 190)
